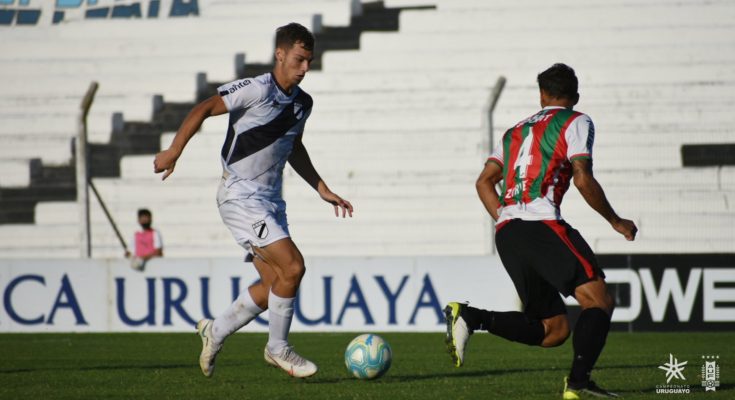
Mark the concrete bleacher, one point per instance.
(398, 126)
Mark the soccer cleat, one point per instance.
(590, 390)
(291, 362)
(209, 347)
(458, 334)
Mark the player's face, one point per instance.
(294, 63)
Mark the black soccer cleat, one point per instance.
(584, 392)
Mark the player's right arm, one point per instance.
(166, 160)
(485, 185)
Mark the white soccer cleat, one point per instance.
(209, 347)
(458, 334)
(291, 362)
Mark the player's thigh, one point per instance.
(254, 222)
(266, 271)
(511, 255)
(283, 256)
(540, 299)
(562, 257)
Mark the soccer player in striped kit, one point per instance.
(544, 256)
(267, 118)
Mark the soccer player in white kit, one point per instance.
(267, 117)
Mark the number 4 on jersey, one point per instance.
(524, 159)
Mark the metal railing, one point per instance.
(493, 102)
(82, 174)
(494, 97)
(84, 180)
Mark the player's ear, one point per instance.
(543, 98)
(280, 55)
(575, 99)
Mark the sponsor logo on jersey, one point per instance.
(238, 85)
(534, 119)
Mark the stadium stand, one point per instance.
(398, 125)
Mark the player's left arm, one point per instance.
(301, 163)
(485, 185)
(593, 194)
(580, 137)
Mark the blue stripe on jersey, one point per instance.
(260, 137)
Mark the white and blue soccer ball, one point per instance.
(368, 356)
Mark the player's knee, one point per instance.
(604, 301)
(595, 294)
(557, 332)
(555, 339)
(293, 271)
(609, 303)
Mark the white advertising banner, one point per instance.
(337, 294)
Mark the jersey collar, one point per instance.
(282, 90)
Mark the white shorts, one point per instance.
(253, 222)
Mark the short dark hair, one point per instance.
(559, 81)
(144, 211)
(289, 35)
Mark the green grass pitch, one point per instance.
(164, 366)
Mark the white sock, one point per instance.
(237, 315)
(279, 322)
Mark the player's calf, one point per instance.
(556, 331)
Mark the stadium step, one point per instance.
(49, 183)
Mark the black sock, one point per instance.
(589, 338)
(511, 325)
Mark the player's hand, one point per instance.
(626, 228)
(165, 162)
(339, 204)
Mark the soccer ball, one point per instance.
(368, 356)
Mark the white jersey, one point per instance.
(264, 122)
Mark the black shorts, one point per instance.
(545, 258)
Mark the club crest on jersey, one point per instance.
(260, 229)
(298, 110)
